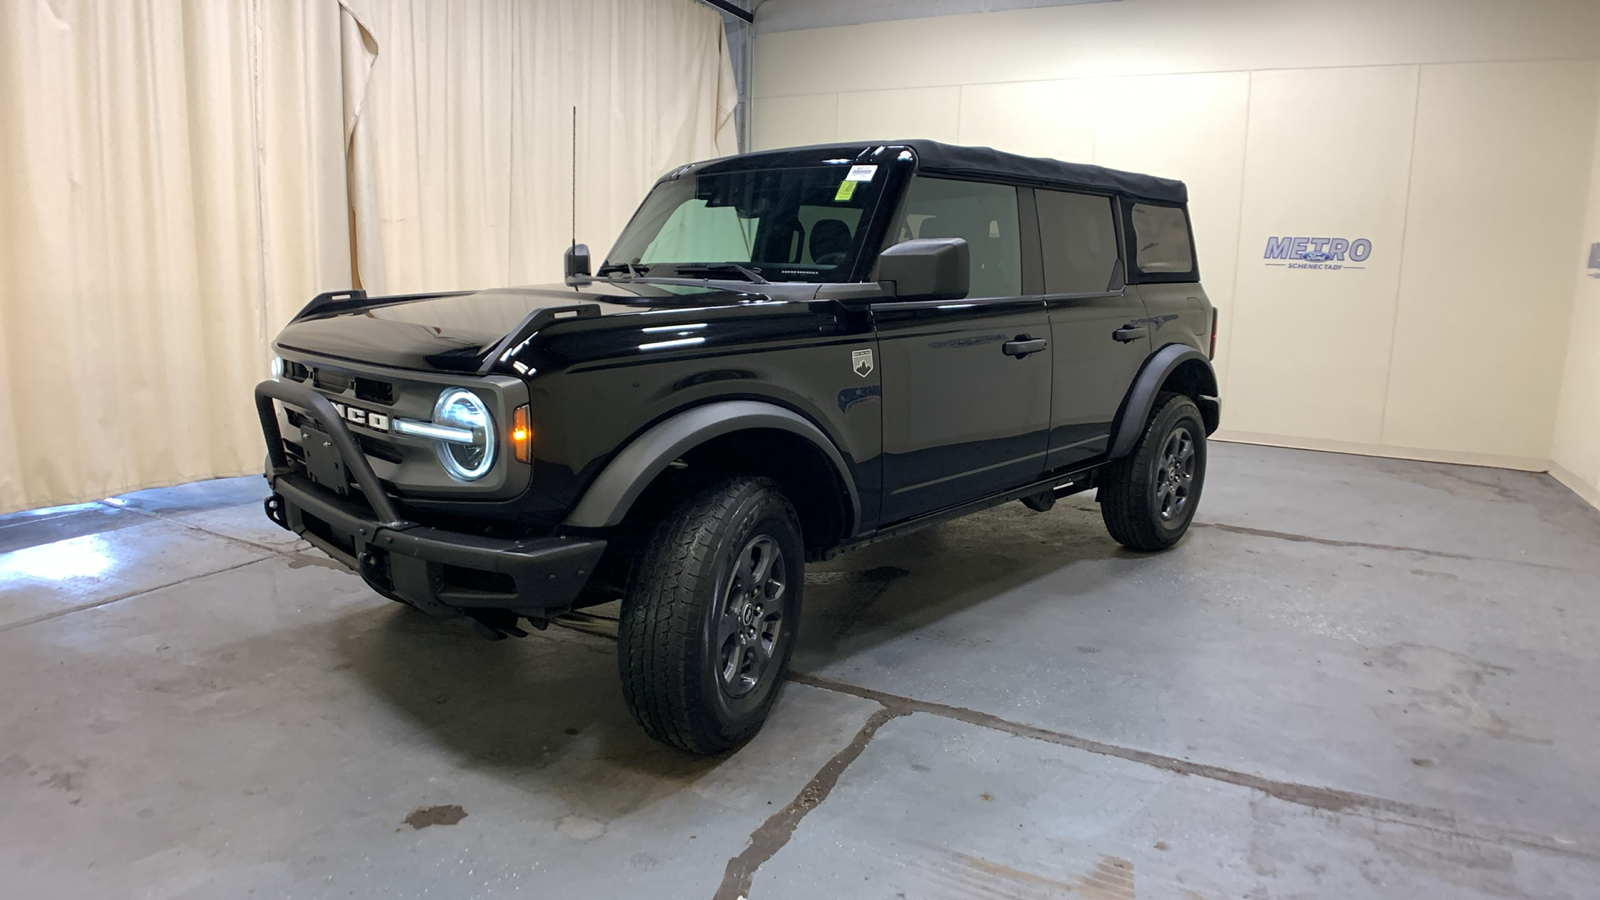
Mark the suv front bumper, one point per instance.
(440, 572)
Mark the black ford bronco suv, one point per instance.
(787, 355)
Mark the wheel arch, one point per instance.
(1175, 368)
(789, 448)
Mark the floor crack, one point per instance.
(182, 523)
(1326, 799)
(775, 832)
(67, 611)
(1363, 545)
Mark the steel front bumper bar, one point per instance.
(440, 572)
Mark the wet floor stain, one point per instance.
(1111, 878)
(424, 816)
(300, 560)
(581, 828)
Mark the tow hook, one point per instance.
(276, 511)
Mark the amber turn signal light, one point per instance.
(521, 435)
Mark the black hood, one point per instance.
(456, 332)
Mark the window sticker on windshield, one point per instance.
(861, 173)
(847, 189)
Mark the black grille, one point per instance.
(330, 381)
(378, 450)
(371, 390)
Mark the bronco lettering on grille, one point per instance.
(355, 415)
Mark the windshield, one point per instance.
(796, 224)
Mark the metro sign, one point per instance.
(1322, 253)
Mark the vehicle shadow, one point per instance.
(545, 714)
(881, 592)
(548, 710)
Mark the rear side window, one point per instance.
(1079, 239)
(1161, 240)
(985, 215)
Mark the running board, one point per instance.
(1057, 486)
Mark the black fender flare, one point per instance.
(1147, 384)
(619, 484)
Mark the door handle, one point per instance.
(1130, 332)
(1022, 346)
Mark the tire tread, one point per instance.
(1123, 484)
(660, 620)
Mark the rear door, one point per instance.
(963, 417)
(1099, 333)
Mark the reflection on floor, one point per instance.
(1356, 677)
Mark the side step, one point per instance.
(1056, 486)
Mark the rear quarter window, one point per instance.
(1161, 240)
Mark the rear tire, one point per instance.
(1148, 498)
(709, 617)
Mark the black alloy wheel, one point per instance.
(1175, 474)
(752, 619)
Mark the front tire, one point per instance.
(709, 617)
(1148, 498)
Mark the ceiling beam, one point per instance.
(797, 15)
(732, 9)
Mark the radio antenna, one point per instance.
(574, 176)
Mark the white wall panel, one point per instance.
(892, 115)
(1310, 352)
(1486, 283)
(1160, 37)
(1577, 433)
(795, 121)
(1035, 118)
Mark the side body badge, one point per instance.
(861, 361)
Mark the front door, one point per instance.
(966, 384)
(1099, 332)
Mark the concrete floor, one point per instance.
(1356, 678)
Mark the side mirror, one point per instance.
(576, 261)
(926, 269)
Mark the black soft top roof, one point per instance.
(952, 159)
(979, 162)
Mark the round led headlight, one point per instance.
(461, 409)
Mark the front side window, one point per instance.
(1161, 236)
(985, 215)
(794, 224)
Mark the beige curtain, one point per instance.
(470, 118)
(176, 178)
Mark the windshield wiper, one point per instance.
(722, 268)
(634, 271)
